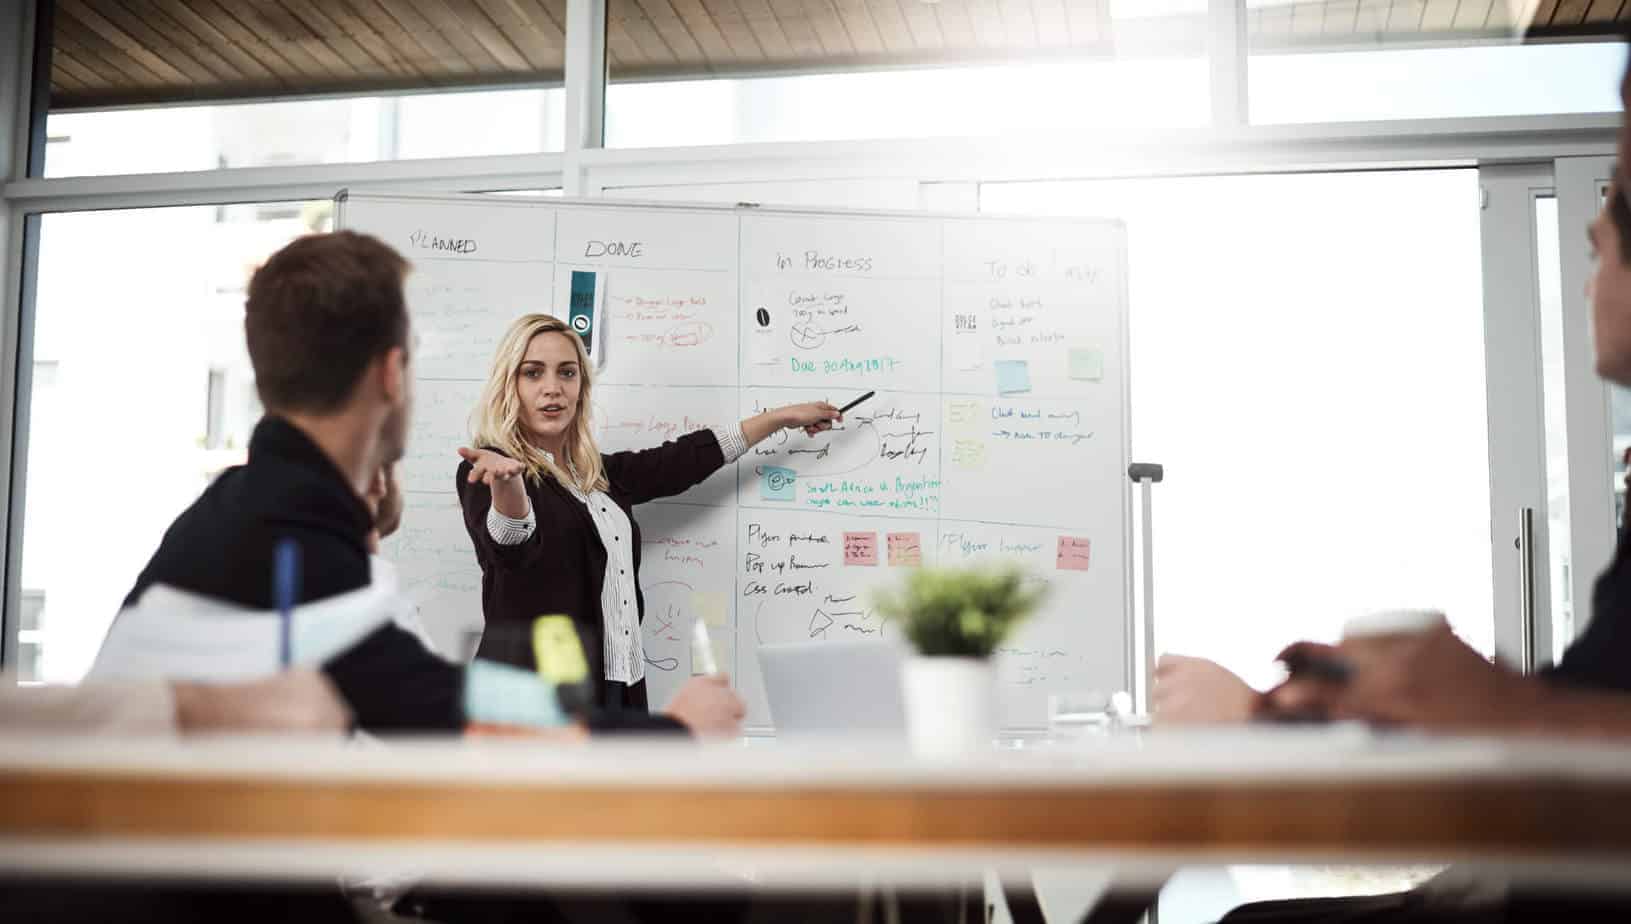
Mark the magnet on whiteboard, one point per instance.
(585, 302)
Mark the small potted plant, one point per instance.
(956, 619)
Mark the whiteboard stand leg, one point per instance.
(1146, 474)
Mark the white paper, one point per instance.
(764, 346)
(175, 634)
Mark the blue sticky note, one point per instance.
(1013, 376)
(778, 484)
(501, 694)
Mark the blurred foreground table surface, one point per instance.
(809, 814)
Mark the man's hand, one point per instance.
(1195, 691)
(1429, 680)
(293, 701)
(708, 707)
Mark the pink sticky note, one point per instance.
(905, 550)
(1072, 553)
(860, 548)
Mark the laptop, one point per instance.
(823, 688)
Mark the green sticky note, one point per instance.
(1086, 364)
(1013, 376)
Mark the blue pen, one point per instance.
(285, 590)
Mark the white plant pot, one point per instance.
(951, 705)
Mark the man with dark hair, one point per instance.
(328, 332)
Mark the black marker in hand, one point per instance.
(845, 408)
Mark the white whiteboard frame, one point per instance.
(1135, 674)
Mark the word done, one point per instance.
(614, 249)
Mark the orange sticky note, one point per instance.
(1072, 553)
(905, 550)
(860, 548)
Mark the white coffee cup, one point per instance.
(1393, 622)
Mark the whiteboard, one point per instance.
(997, 348)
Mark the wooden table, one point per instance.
(809, 815)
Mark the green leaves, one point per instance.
(965, 612)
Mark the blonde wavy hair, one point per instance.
(496, 422)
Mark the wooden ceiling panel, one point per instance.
(797, 25)
(892, 28)
(1086, 18)
(1371, 17)
(829, 29)
(109, 41)
(1340, 17)
(1604, 11)
(638, 31)
(957, 27)
(159, 32)
(989, 29)
(1052, 26)
(1571, 12)
(245, 26)
(148, 52)
(861, 28)
(1403, 17)
(704, 31)
(1471, 15)
(414, 37)
(1018, 22)
(677, 39)
(734, 26)
(766, 30)
(923, 26)
(201, 31)
(66, 68)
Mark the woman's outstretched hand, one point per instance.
(812, 417)
(502, 475)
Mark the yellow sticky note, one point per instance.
(557, 650)
(963, 416)
(710, 607)
(968, 454)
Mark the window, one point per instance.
(139, 367)
(881, 69)
(1313, 381)
(328, 131)
(1430, 83)
(1348, 61)
(169, 85)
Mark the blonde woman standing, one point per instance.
(552, 518)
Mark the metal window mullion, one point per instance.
(22, 131)
(1226, 61)
(585, 87)
(1588, 431)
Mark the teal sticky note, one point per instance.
(1013, 376)
(501, 694)
(1086, 364)
(778, 484)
